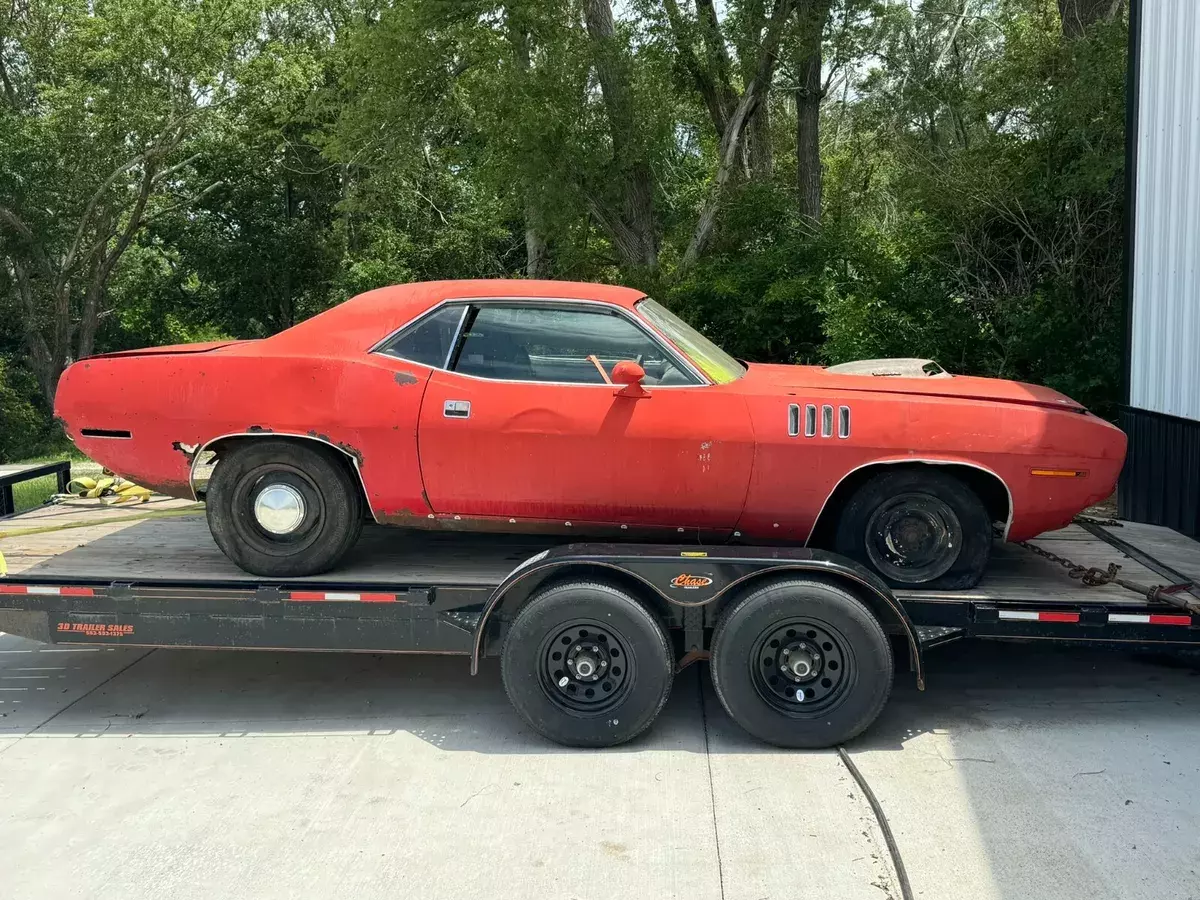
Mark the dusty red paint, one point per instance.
(708, 459)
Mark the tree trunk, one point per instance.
(1078, 15)
(758, 134)
(716, 55)
(811, 16)
(537, 255)
(635, 239)
(731, 140)
(808, 140)
(760, 157)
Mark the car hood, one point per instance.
(963, 387)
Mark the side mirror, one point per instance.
(631, 375)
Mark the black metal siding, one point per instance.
(1160, 484)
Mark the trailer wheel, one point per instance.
(801, 663)
(586, 665)
(917, 526)
(282, 509)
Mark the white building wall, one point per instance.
(1165, 340)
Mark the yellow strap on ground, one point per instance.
(127, 493)
(3, 566)
(108, 490)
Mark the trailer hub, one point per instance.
(586, 666)
(800, 664)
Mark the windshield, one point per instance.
(715, 363)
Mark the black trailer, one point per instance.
(801, 643)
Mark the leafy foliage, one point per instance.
(174, 170)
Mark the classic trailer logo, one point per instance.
(690, 582)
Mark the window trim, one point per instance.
(380, 347)
(552, 302)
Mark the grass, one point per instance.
(35, 492)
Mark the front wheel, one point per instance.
(283, 509)
(917, 527)
(801, 664)
(586, 665)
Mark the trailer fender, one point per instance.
(670, 576)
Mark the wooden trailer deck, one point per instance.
(169, 539)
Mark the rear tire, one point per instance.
(283, 509)
(917, 526)
(586, 665)
(801, 664)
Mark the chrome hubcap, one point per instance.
(279, 508)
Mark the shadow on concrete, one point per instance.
(246, 694)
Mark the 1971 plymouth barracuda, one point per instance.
(582, 409)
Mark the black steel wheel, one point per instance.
(283, 508)
(913, 538)
(805, 666)
(917, 526)
(801, 663)
(584, 667)
(587, 665)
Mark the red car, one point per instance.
(582, 409)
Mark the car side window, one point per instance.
(428, 341)
(540, 343)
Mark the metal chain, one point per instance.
(1091, 576)
(1095, 520)
(1095, 577)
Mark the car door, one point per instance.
(524, 425)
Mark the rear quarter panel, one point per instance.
(174, 404)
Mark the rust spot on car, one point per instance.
(348, 449)
(507, 525)
(353, 451)
(188, 450)
(403, 378)
(259, 429)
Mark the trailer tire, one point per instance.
(314, 487)
(946, 525)
(587, 665)
(839, 655)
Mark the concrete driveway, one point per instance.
(1024, 772)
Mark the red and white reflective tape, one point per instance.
(322, 596)
(1029, 615)
(37, 589)
(1149, 619)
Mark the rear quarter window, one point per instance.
(429, 340)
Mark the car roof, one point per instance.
(364, 320)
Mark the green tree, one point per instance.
(103, 104)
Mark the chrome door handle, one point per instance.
(457, 409)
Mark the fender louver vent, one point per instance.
(105, 433)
